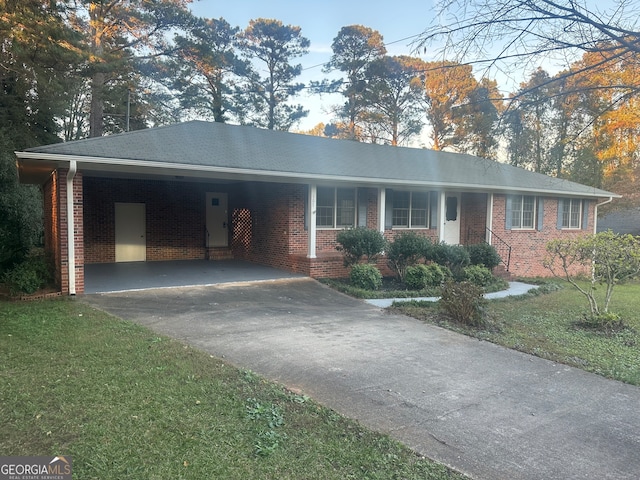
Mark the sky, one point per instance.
(399, 23)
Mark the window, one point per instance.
(411, 209)
(336, 207)
(523, 212)
(571, 212)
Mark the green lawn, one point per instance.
(550, 326)
(128, 404)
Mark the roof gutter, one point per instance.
(595, 214)
(71, 224)
(94, 164)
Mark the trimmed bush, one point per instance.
(405, 250)
(365, 276)
(455, 257)
(356, 243)
(419, 277)
(483, 254)
(478, 275)
(463, 301)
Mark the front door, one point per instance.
(131, 230)
(217, 220)
(451, 217)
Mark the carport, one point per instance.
(128, 276)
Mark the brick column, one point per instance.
(63, 231)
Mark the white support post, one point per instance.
(311, 215)
(443, 215)
(489, 218)
(382, 206)
(71, 228)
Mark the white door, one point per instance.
(131, 230)
(451, 218)
(217, 219)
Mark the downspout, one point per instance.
(489, 225)
(71, 227)
(595, 214)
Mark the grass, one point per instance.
(551, 326)
(129, 404)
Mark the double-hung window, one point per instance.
(336, 207)
(410, 209)
(571, 212)
(523, 212)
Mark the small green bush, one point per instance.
(365, 276)
(419, 277)
(483, 254)
(454, 257)
(463, 301)
(405, 250)
(356, 243)
(478, 275)
(28, 276)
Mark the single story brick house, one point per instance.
(201, 190)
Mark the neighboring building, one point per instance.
(207, 190)
(622, 221)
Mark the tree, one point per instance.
(206, 68)
(117, 34)
(531, 124)
(393, 98)
(36, 50)
(355, 48)
(20, 210)
(448, 89)
(610, 257)
(512, 34)
(273, 45)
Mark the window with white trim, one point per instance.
(523, 212)
(571, 213)
(336, 207)
(410, 209)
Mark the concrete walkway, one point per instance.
(490, 412)
(515, 288)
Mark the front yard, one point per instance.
(550, 325)
(126, 403)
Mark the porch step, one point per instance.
(502, 272)
(219, 253)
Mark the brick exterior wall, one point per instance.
(529, 246)
(473, 217)
(175, 217)
(267, 225)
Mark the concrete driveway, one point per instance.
(485, 410)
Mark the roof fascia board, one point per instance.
(87, 163)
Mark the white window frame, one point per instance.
(335, 208)
(521, 212)
(569, 207)
(410, 223)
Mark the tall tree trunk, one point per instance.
(96, 113)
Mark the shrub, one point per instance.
(405, 250)
(483, 254)
(356, 243)
(611, 259)
(463, 301)
(419, 277)
(478, 275)
(365, 276)
(28, 276)
(455, 257)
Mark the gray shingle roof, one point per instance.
(214, 145)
